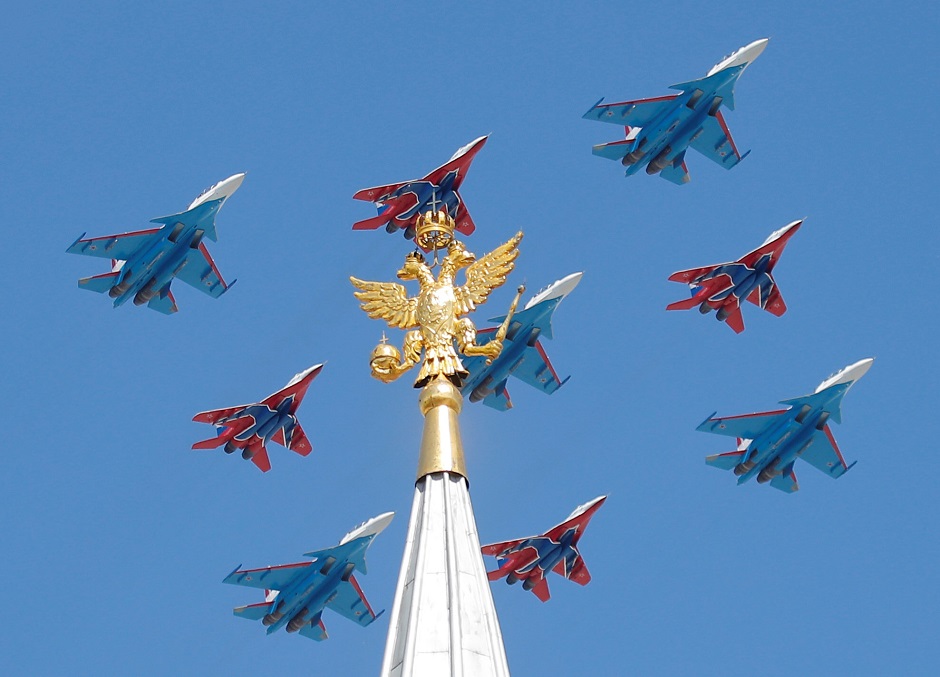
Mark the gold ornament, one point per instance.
(434, 315)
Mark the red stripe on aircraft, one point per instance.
(355, 584)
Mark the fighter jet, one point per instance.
(296, 594)
(722, 287)
(660, 130)
(522, 355)
(400, 204)
(144, 262)
(770, 442)
(530, 559)
(250, 427)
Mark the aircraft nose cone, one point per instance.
(855, 371)
(741, 57)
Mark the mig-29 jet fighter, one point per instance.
(724, 286)
(770, 442)
(400, 204)
(660, 130)
(522, 355)
(530, 559)
(250, 427)
(296, 594)
(144, 262)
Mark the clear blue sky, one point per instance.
(116, 536)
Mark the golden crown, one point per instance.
(434, 230)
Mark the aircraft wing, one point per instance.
(378, 193)
(536, 369)
(120, 247)
(639, 113)
(268, 578)
(214, 415)
(579, 572)
(774, 302)
(747, 426)
(200, 272)
(498, 399)
(824, 454)
(463, 223)
(715, 142)
(692, 274)
(501, 550)
(298, 442)
(350, 602)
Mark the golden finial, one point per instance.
(434, 230)
(435, 314)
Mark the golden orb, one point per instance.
(385, 357)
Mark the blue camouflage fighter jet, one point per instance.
(144, 262)
(661, 129)
(522, 355)
(296, 594)
(770, 442)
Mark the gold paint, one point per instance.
(441, 449)
(434, 315)
(434, 231)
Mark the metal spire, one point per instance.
(443, 620)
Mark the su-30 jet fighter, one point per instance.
(530, 559)
(250, 427)
(296, 594)
(522, 355)
(400, 204)
(144, 262)
(660, 130)
(770, 442)
(724, 286)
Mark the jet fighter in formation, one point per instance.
(770, 442)
(250, 427)
(522, 355)
(530, 559)
(724, 286)
(144, 262)
(400, 204)
(661, 129)
(296, 594)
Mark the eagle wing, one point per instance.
(387, 301)
(486, 274)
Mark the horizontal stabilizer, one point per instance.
(261, 460)
(677, 173)
(786, 481)
(253, 612)
(687, 304)
(615, 150)
(315, 631)
(99, 283)
(164, 302)
(725, 461)
(499, 399)
(212, 442)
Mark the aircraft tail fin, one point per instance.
(100, 283)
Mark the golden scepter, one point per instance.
(504, 327)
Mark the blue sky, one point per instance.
(116, 535)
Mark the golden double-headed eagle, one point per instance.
(434, 316)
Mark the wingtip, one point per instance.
(591, 109)
(68, 249)
(701, 426)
